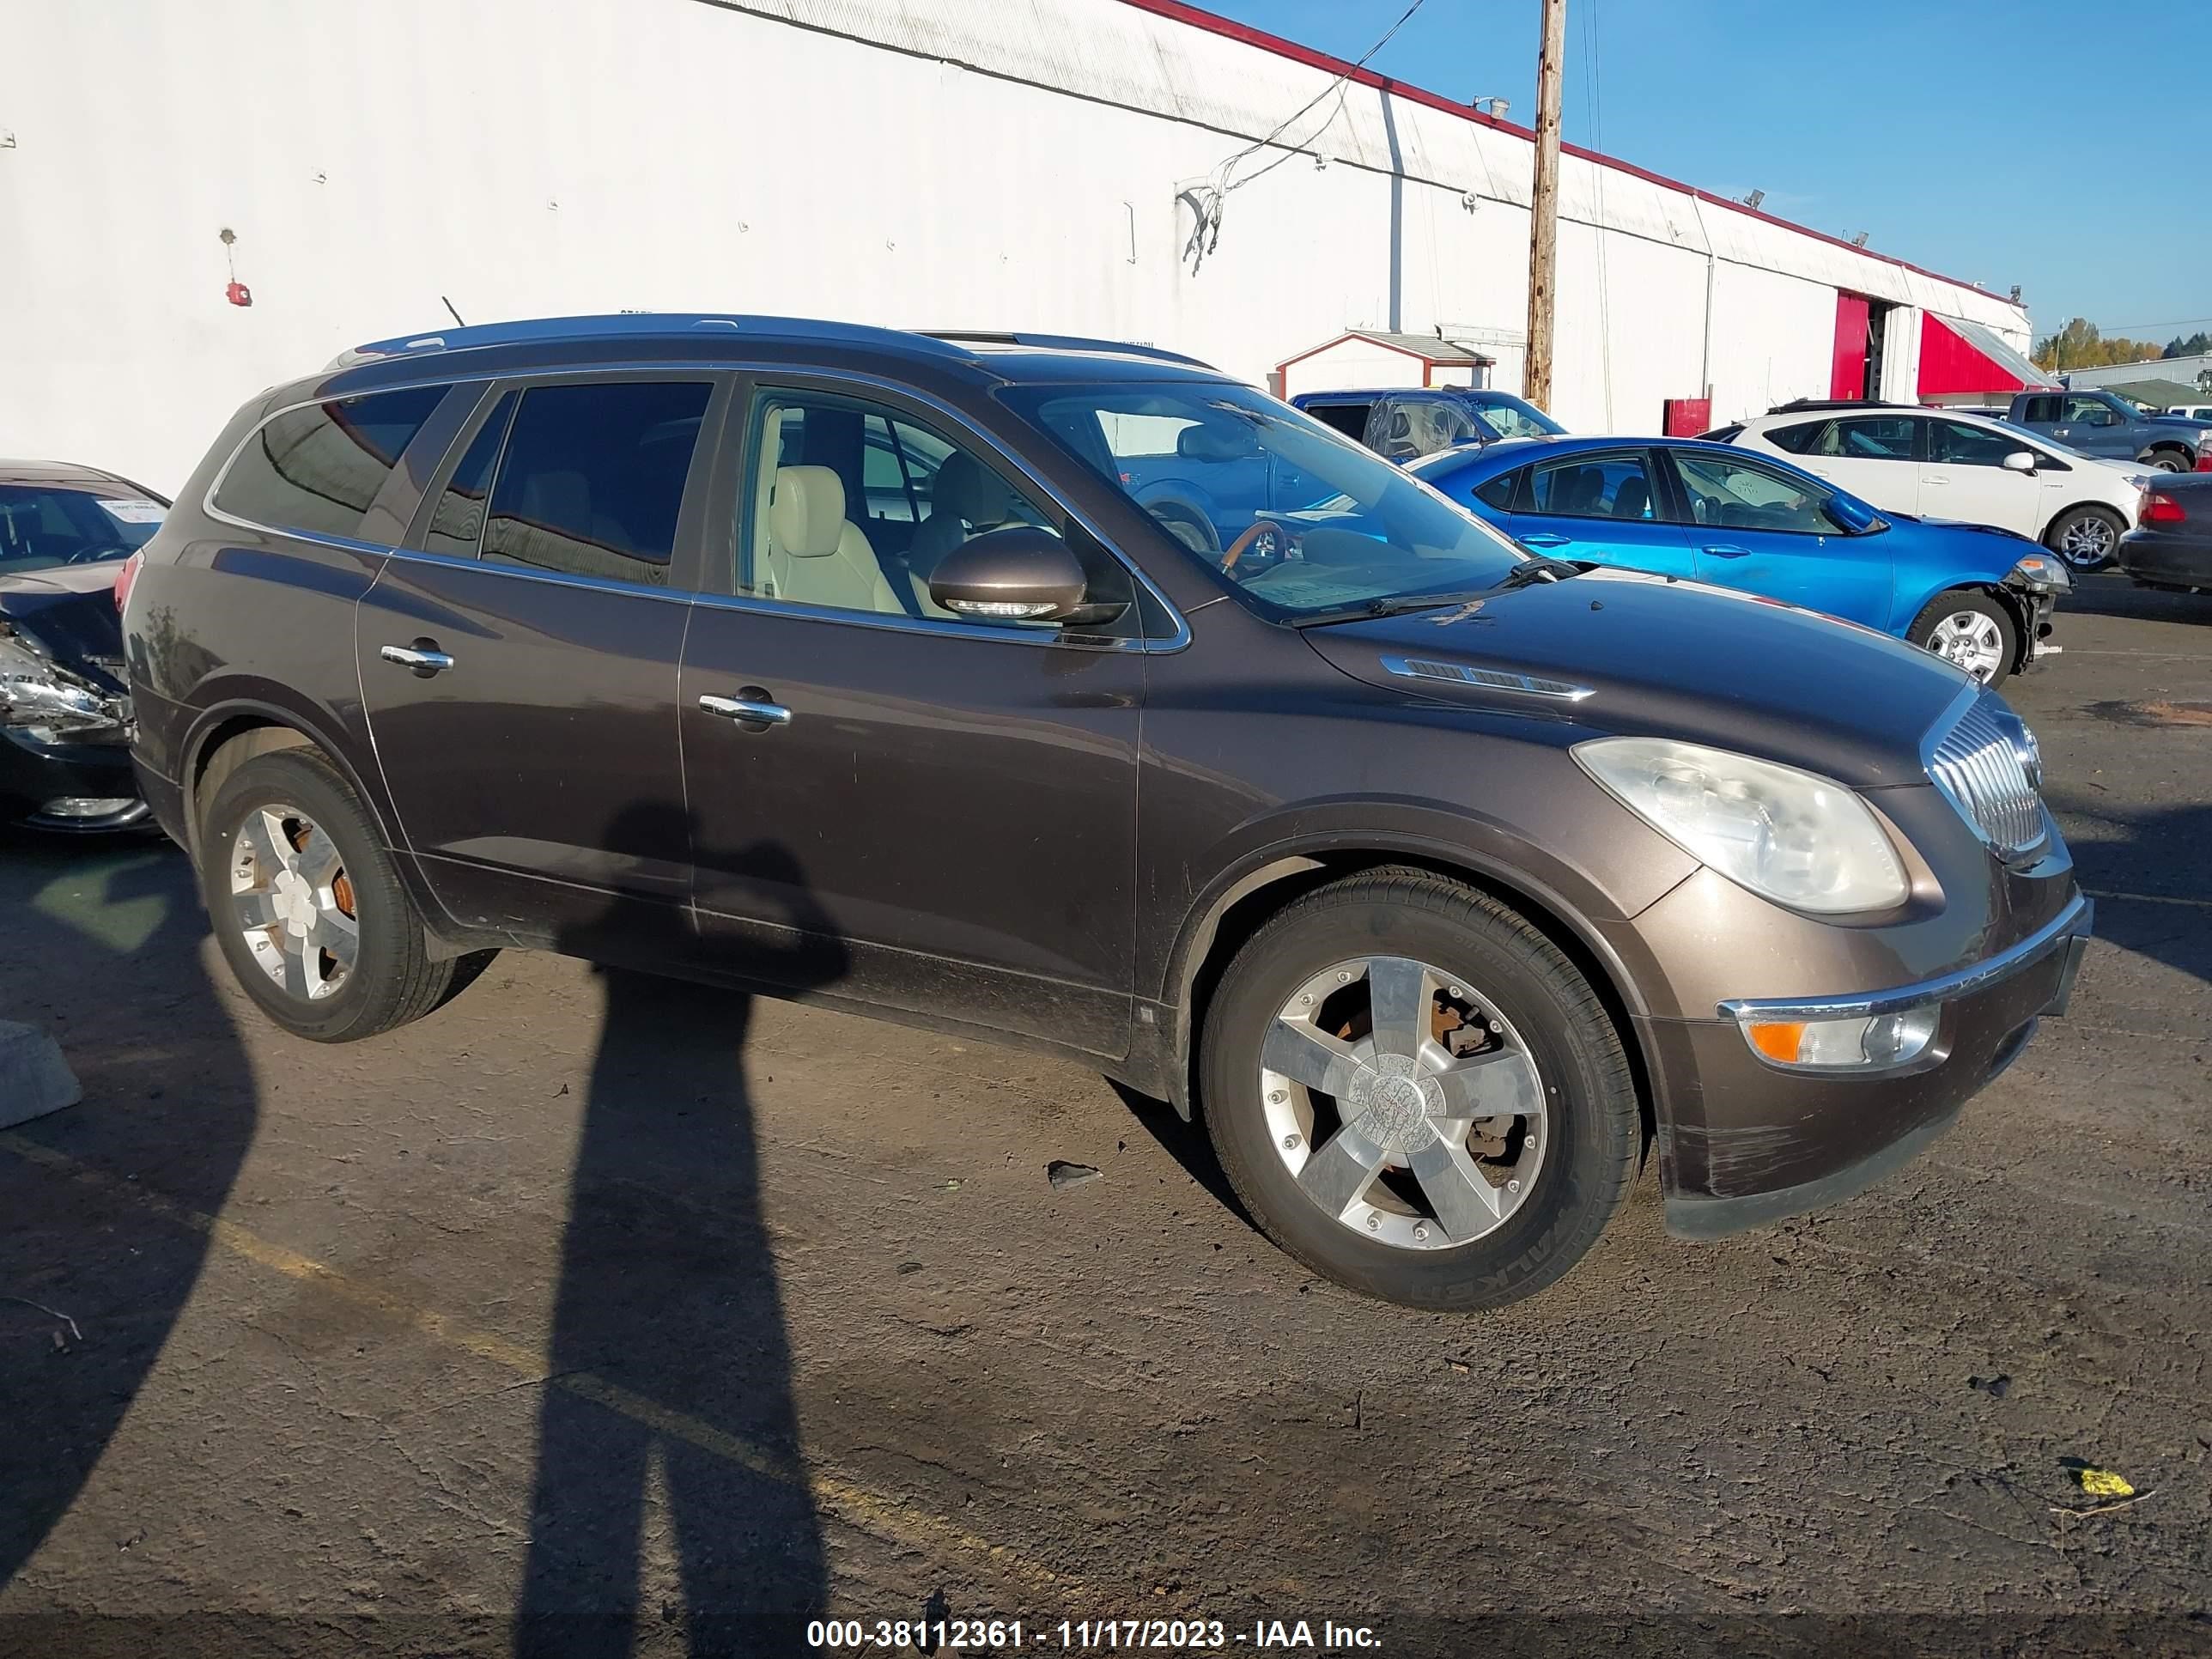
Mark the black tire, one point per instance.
(1593, 1123)
(2087, 537)
(1958, 601)
(393, 978)
(2170, 460)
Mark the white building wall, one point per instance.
(916, 162)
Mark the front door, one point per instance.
(519, 667)
(1965, 478)
(1765, 530)
(1599, 506)
(2093, 427)
(920, 812)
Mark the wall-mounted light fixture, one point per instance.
(1493, 107)
(1753, 200)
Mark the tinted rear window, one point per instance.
(1798, 440)
(317, 468)
(593, 478)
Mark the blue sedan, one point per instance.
(1980, 597)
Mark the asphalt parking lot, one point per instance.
(596, 1311)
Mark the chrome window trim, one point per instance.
(2077, 920)
(529, 573)
(1177, 642)
(901, 623)
(1471, 676)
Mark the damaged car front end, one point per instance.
(65, 719)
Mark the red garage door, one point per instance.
(1847, 376)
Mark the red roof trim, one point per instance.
(1228, 28)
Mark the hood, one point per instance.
(70, 611)
(1677, 660)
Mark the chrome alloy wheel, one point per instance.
(293, 903)
(2087, 543)
(1403, 1102)
(1971, 641)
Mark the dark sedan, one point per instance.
(65, 532)
(2172, 548)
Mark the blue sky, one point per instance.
(1994, 143)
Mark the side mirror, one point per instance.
(1019, 574)
(2020, 460)
(1852, 515)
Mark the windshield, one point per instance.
(1301, 518)
(43, 526)
(1509, 417)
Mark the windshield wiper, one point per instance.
(1539, 570)
(1399, 604)
(1390, 604)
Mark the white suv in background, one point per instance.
(1945, 464)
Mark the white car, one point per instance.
(1944, 464)
(2193, 412)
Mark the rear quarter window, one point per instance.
(1498, 493)
(1797, 440)
(317, 468)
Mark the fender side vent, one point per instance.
(1493, 680)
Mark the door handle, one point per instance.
(1727, 551)
(753, 709)
(423, 657)
(1545, 538)
(1939, 479)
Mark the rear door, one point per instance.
(927, 813)
(1602, 506)
(1764, 529)
(518, 662)
(1875, 458)
(1964, 478)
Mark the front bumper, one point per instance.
(1751, 1142)
(35, 776)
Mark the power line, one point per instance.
(1207, 201)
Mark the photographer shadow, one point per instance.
(669, 1352)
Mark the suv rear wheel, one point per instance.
(307, 906)
(1416, 1094)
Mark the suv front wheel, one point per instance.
(307, 906)
(1417, 1094)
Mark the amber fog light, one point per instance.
(1846, 1045)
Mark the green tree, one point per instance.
(2078, 345)
(2194, 345)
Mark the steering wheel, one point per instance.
(1266, 539)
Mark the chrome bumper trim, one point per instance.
(2075, 922)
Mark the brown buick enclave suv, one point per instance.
(875, 668)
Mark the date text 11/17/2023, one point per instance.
(1081, 1635)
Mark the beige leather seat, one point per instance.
(966, 499)
(816, 555)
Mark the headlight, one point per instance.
(36, 691)
(1795, 837)
(2040, 571)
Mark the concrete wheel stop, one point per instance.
(34, 1078)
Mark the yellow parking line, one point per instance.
(855, 1504)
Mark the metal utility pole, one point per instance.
(1544, 207)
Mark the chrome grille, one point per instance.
(1986, 764)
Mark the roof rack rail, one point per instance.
(1059, 343)
(1797, 405)
(531, 331)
